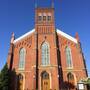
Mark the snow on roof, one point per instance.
(66, 36)
(23, 36)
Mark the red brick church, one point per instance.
(46, 58)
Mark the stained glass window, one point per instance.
(45, 54)
(22, 55)
(68, 57)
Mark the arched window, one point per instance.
(68, 57)
(22, 55)
(45, 54)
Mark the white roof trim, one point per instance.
(23, 36)
(58, 31)
(66, 36)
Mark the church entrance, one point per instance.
(45, 81)
(70, 81)
(20, 82)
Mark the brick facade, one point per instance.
(45, 31)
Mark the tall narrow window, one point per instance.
(45, 54)
(49, 18)
(44, 18)
(68, 57)
(22, 55)
(39, 18)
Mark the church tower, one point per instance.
(46, 49)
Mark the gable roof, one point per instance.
(66, 36)
(23, 36)
(57, 30)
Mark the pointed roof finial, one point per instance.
(77, 37)
(12, 38)
(35, 3)
(52, 3)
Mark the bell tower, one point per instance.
(44, 19)
(46, 48)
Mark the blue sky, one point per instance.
(17, 16)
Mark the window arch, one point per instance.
(45, 75)
(45, 54)
(22, 55)
(68, 57)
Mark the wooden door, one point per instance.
(46, 85)
(45, 81)
(20, 82)
(21, 85)
(71, 85)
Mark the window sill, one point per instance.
(69, 68)
(21, 69)
(45, 65)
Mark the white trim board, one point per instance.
(58, 31)
(66, 35)
(23, 36)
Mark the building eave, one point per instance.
(23, 36)
(58, 31)
(66, 36)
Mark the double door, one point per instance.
(46, 84)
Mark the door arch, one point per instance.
(20, 82)
(45, 81)
(71, 81)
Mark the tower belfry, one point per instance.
(44, 19)
(45, 29)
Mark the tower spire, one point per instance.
(35, 3)
(52, 4)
